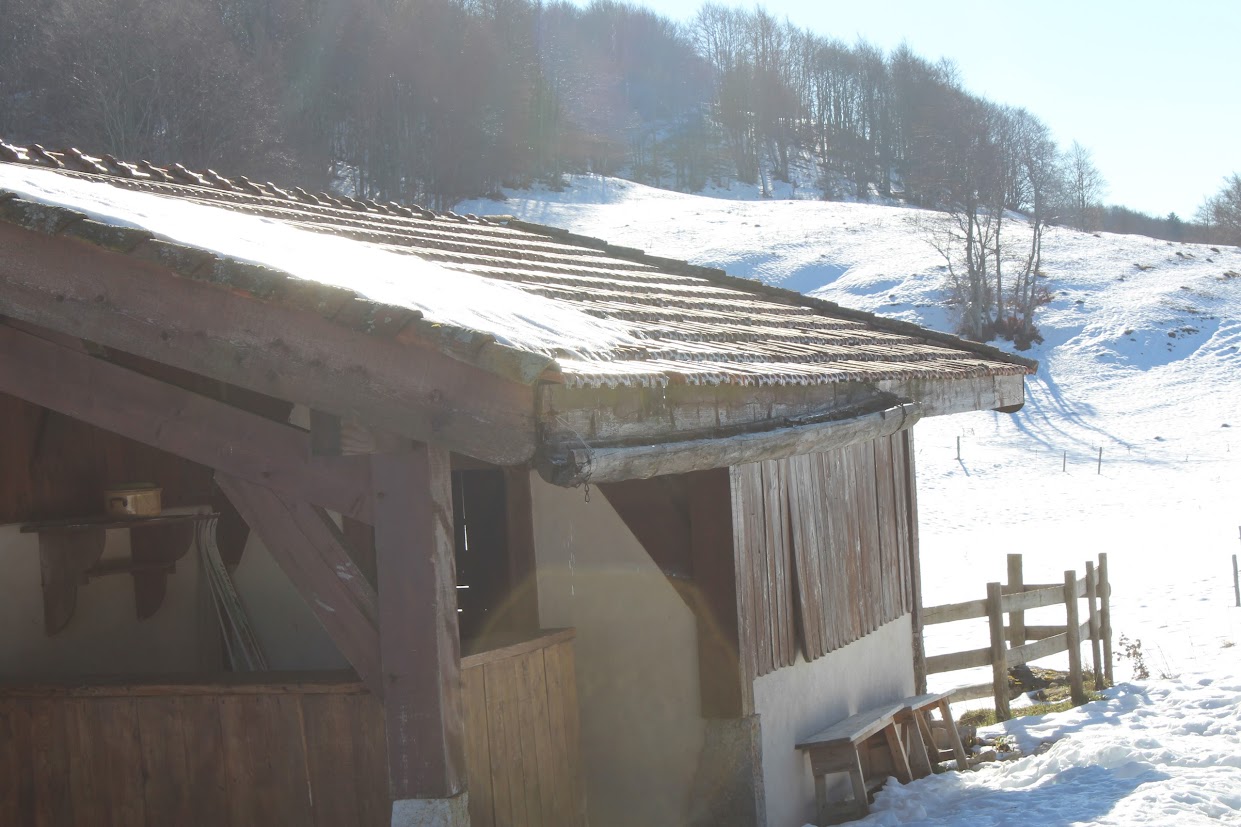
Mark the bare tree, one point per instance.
(1086, 187)
(1041, 185)
(974, 176)
(1221, 213)
(722, 37)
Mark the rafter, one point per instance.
(195, 427)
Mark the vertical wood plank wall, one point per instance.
(824, 549)
(262, 754)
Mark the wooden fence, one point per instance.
(262, 750)
(1017, 642)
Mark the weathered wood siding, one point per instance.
(306, 753)
(522, 736)
(823, 549)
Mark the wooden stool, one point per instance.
(915, 722)
(835, 749)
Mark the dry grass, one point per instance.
(1055, 699)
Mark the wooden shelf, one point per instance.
(107, 522)
(70, 552)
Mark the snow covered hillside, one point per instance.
(1142, 358)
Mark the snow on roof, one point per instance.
(383, 274)
(608, 316)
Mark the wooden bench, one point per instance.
(905, 728)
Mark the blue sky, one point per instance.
(1152, 89)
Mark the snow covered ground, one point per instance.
(1142, 358)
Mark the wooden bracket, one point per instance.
(70, 550)
(63, 562)
(154, 550)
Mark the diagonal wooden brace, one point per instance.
(313, 553)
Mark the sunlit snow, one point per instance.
(1142, 359)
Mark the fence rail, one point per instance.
(1015, 643)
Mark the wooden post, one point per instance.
(420, 653)
(1100, 470)
(1016, 620)
(1236, 578)
(1076, 690)
(519, 522)
(1105, 617)
(999, 660)
(958, 449)
(1092, 596)
(915, 562)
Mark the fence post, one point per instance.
(1092, 596)
(1105, 616)
(1236, 580)
(1016, 620)
(999, 658)
(1076, 690)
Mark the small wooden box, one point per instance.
(134, 500)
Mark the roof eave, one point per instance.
(228, 331)
(585, 464)
(614, 434)
(942, 397)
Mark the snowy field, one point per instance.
(1142, 358)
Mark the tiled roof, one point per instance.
(695, 325)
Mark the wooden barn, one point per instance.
(463, 521)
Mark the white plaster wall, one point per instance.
(637, 659)
(105, 637)
(797, 701)
(289, 632)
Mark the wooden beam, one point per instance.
(325, 434)
(629, 415)
(623, 415)
(570, 466)
(656, 511)
(141, 307)
(307, 546)
(684, 523)
(419, 647)
(725, 691)
(199, 429)
(519, 521)
(940, 397)
(360, 538)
